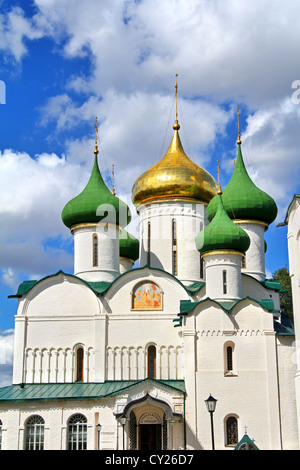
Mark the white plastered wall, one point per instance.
(107, 266)
(255, 255)
(190, 220)
(114, 336)
(56, 415)
(293, 237)
(50, 326)
(130, 331)
(218, 264)
(250, 392)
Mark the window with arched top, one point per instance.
(79, 364)
(201, 267)
(151, 362)
(229, 362)
(231, 426)
(77, 432)
(146, 295)
(34, 433)
(229, 358)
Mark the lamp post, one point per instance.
(98, 431)
(123, 420)
(211, 406)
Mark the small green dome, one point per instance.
(94, 203)
(129, 246)
(222, 233)
(242, 199)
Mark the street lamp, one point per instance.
(211, 406)
(123, 420)
(98, 431)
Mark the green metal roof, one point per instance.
(195, 287)
(283, 328)
(247, 443)
(187, 305)
(77, 390)
(273, 284)
(129, 245)
(242, 199)
(100, 288)
(222, 233)
(84, 208)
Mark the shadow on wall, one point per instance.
(191, 439)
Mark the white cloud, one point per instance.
(241, 51)
(136, 129)
(231, 51)
(15, 28)
(10, 278)
(228, 50)
(271, 150)
(6, 347)
(6, 357)
(224, 52)
(33, 193)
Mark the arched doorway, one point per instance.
(150, 425)
(150, 431)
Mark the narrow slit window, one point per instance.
(201, 268)
(224, 282)
(148, 244)
(243, 262)
(79, 364)
(95, 250)
(152, 362)
(174, 248)
(229, 358)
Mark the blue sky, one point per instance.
(64, 62)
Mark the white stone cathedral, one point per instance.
(118, 357)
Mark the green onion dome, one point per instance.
(242, 199)
(96, 203)
(129, 245)
(222, 233)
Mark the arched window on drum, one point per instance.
(147, 295)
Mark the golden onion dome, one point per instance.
(174, 177)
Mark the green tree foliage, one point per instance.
(286, 301)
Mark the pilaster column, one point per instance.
(189, 336)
